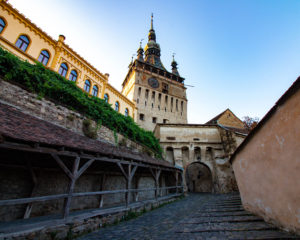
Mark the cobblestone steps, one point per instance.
(196, 217)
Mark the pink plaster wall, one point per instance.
(267, 169)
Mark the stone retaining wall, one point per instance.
(57, 114)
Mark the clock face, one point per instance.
(153, 82)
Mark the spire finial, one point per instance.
(173, 55)
(141, 42)
(151, 21)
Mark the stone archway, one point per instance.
(198, 178)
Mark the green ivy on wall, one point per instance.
(46, 83)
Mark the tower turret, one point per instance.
(174, 67)
(152, 49)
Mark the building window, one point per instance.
(146, 93)
(154, 119)
(87, 86)
(159, 97)
(139, 91)
(171, 104)
(145, 103)
(117, 106)
(95, 91)
(22, 43)
(181, 106)
(165, 120)
(177, 105)
(2, 25)
(63, 69)
(126, 112)
(106, 97)
(142, 117)
(153, 96)
(152, 105)
(73, 76)
(165, 88)
(137, 101)
(44, 57)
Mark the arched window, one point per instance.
(106, 97)
(95, 91)
(44, 57)
(63, 69)
(2, 25)
(87, 86)
(117, 106)
(73, 76)
(22, 43)
(126, 112)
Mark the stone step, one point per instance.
(223, 210)
(213, 227)
(232, 235)
(221, 214)
(229, 219)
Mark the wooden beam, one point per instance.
(54, 151)
(62, 165)
(84, 167)
(122, 170)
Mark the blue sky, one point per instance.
(241, 55)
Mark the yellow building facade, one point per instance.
(24, 39)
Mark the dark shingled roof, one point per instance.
(290, 92)
(20, 126)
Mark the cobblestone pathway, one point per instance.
(198, 216)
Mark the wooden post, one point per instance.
(71, 187)
(74, 175)
(128, 176)
(136, 194)
(156, 176)
(34, 180)
(101, 189)
(176, 177)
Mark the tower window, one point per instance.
(63, 69)
(153, 96)
(159, 97)
(2, 25)
(22, 43)
(181, 106)
(146, 93)
(87, 86)
(142, 116)
(154, 119)
(44, 57)
(145, 103)
(152, 105)
(165, 121)
(73, 76)
(139, 91)
(176, 105)
(95, 91)
(137, 101)
(171, 104)
(165, 88)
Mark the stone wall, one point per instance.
(57, 114)
(209, 145)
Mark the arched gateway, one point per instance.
(198, 178)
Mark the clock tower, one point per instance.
(160, 95)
